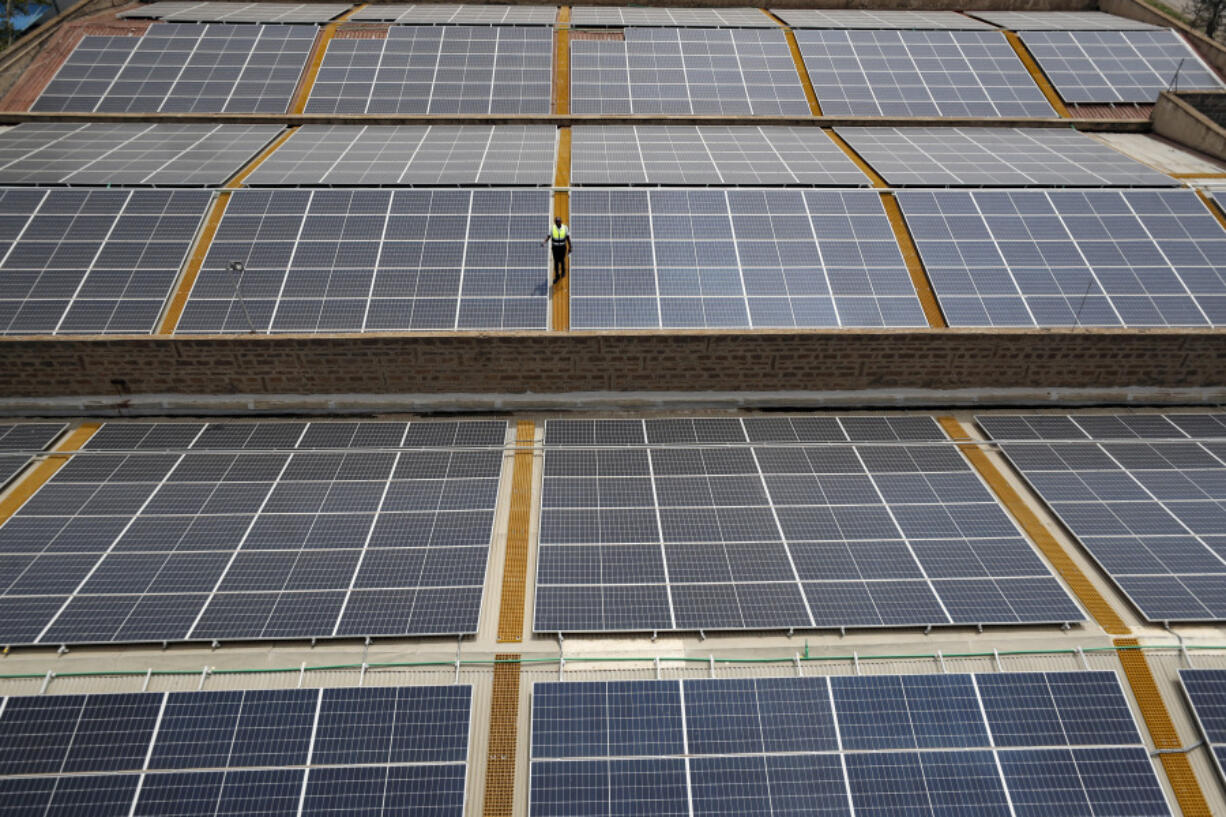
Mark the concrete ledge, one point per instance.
(556, 363)
(1176, 119)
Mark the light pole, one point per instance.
(237, 268)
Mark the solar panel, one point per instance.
(1070, 258)
(727, 524)
(1206, 691)
(227, 531)
(412, 155)
(887, 745)
(183, 68)
(238, 751)
(219, 12)
(1142, 494)
(885, 19)
(686, 71)
(1118, 66)
(597, 16)
(438, 70)
(446, 13)
(132, 154)
(92, 261)
(919, 73)
(708, 154)
(736, 258)
(997, 157)
(375, 260)
(1062, 21)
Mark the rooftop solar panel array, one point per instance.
(91, 261)
(660, 16)
(708, 154)
(686, 71)
(411, 155)
(23, 438)
(220, 12)
(383, 751)
(1118, 66)
(885, 19)
(1206, 690)
(1146, 496)
(183, 68)
(255, 531)
(1070, 258)
(997, 157)
(132, 154)
(1062, 21)
(446, 13)
(736, 258)
(375, 260)
(772, 523)
(1010, 744)
(919, 73)
(438, 70)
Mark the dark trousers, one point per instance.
(559, 262)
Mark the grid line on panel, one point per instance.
(1117, 66)
(1061, 21)
(451, 14)
(1069, 257)
(933, 73)
(1202, 689)
(736, 536)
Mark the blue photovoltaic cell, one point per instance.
(657, 530)
(1070, 258)
(380, 751)
(770, 746)
(255, 530)
(616, 718)
(1142, 493)
(1206, 691)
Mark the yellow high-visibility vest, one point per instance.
(559, 233)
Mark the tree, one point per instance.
(19, 8)
(1207, 14)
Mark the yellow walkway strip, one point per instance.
(1082, 587)
(515, 566)
(919, 276)
(44, 470)
(317, 59)
(1213, 206)
(504, 727)
(1161, 729)
(1036, 73)
(561, 207)
(794, 47)
(561, 62)
(237, 180)
(859, 160)
(194, 264)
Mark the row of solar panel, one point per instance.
(184, 67)
(79, 261)
(238, 752)
(1025, 744)
(435, 155)
(207, 11)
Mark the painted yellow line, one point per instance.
(915, 266)
(560, 296)
(1161, 728)
(1036, 73)
(504, 734)
(194, 264)
(815, 108)
(561, 62)
(1094, 602)
(317, 59)
(1213, 206)
(249, 168)
(859, 160)
(45, 469)
(515, 566)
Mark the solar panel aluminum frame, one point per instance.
(1200, 723)
(927, 626)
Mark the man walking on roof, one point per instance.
(559, 239)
